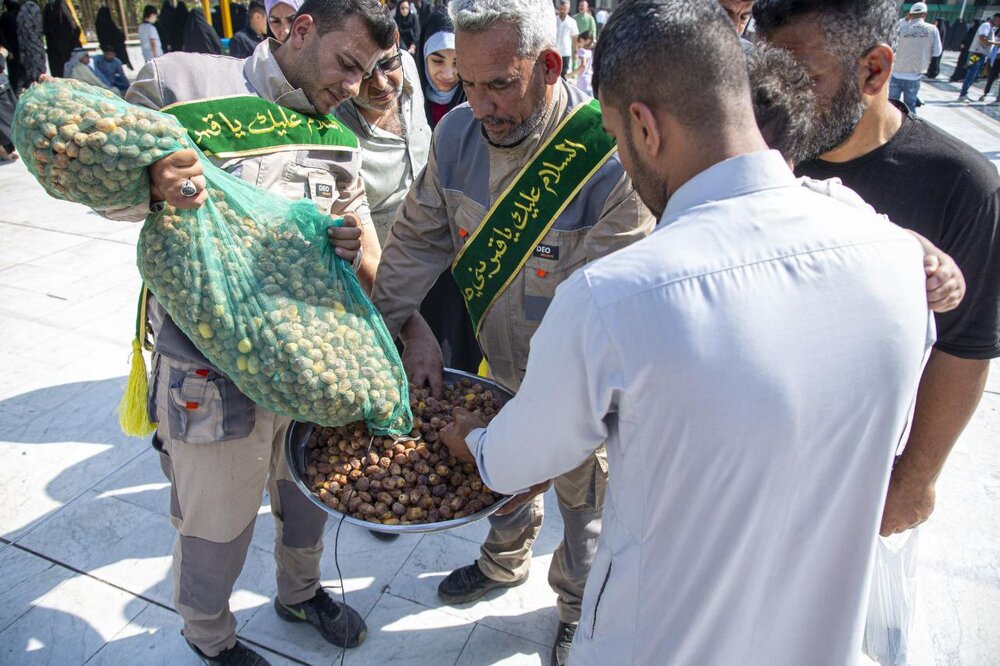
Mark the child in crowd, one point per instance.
(110, 68)
(584, 71)
(149, 36)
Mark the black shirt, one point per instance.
(926, 180)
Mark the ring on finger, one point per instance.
(188, 188)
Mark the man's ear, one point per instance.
(875, 70)
(301, 28)
(552, 62)
(647, 133)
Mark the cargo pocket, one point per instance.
(541, 277)
(205, 407)
(553, 260)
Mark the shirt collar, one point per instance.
(265, 75)
(737, 176)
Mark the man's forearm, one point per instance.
(415, 328)
(950, 390)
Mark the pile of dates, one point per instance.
(403, 481)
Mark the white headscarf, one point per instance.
(74, 59)
(439, 41)
(269, 4)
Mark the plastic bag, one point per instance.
(249, 277)
(893, 599)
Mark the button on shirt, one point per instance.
(752, 367)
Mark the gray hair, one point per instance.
(532, 19)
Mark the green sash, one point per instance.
(243, 125)
(494, 255)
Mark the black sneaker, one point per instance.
(383, 536)
(238, 655)
(470, 583)
(564, 641)
(338, 623)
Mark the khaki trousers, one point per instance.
(506, 555)
(219, 451)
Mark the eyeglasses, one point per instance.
(386, 65)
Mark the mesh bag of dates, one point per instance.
(249, 277)
(403, 481)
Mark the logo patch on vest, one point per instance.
(324, 191)
(546, 252)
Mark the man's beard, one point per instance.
(834, 125)
(393, 103)
(523, 130)
(649, 188)
(301, 73)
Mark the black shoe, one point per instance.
(468, 584)
(338, 623)
(564, 640)
(383, 536)
(238, 655)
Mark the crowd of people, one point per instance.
(746, 317)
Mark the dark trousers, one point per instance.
(994, 73)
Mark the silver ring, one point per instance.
(188, 189)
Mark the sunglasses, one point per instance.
(386, 65)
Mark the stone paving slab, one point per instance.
(85, 543)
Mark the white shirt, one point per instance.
(147, 33)
(919, 41)
(751, 367)
(602, 17)
(985, 30)
(566, 30)
(585, 58)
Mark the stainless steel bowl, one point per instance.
(296, 452)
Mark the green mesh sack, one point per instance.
(249, 277)
(84, 144)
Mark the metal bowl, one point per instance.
(296, 452)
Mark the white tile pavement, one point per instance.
(85, 543)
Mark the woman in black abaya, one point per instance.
(200, 36)
(62, 35)
(8, 39)
(963, 54)
(111, 35)
(178, 23)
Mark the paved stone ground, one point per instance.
(85, 543)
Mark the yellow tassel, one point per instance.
(133, 415)
(484, 369)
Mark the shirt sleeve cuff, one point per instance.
(476, 441)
